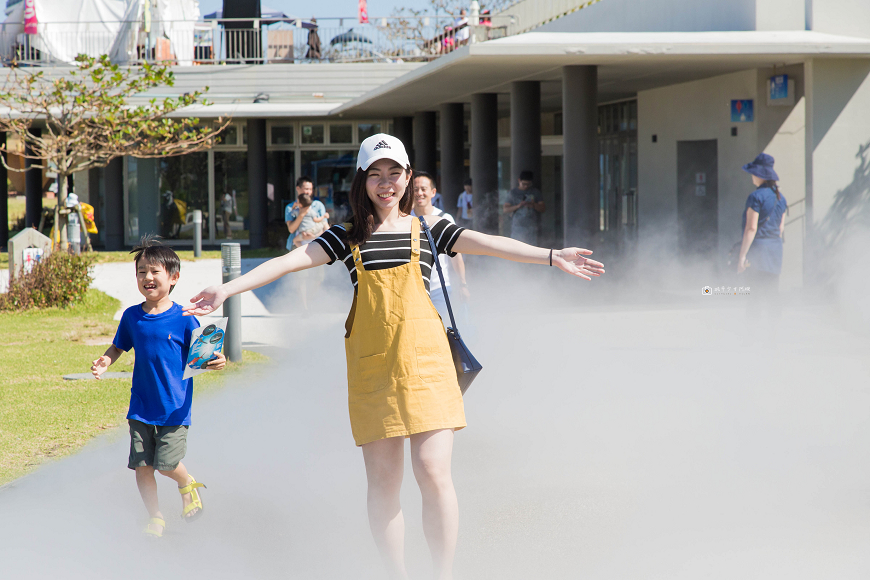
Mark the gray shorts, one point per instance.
(159, 446)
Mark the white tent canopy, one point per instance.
(95, 27)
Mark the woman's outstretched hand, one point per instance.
(206, 301)
(573, 261)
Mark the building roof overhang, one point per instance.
(257, 110)
(628, 63)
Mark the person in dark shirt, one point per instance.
(525, 206)
(314, 49)
(763, 223)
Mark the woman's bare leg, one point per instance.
(385, 461)
(431, 453)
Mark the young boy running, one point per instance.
(160, 400)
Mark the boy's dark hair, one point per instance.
(303, 180)
(467, 182)
(427, 176)
(526, 175)
(151, 251)
(304, 199)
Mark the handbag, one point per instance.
(467, 367)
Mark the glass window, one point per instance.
(341, 133)
(282, 135)
(245, 134)
(146, 211)
(365, 130)
(231, 195)
(183, 188)
(332, 172)
(281, 182)
(131, 229)
(312, 134)
(229, 136)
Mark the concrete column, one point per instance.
(452, 154)
(526, 130)
(425, 153)
(114, 205)
(403, 129)
(258, 218)
(484, 161)
(580, 154)
(32, 188)
(4, 199)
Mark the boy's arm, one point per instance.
(102, 364)
(321, 218)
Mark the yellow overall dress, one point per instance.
(400, 374)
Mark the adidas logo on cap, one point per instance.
(381, 146)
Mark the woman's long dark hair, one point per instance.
(363, 220)
(772, 185)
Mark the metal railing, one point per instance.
(228, 41)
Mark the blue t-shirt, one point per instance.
(159, 396)
(765, 253)
(290, 214)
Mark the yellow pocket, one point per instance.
(371, 374)
(431, 363)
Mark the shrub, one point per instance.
(60, 279)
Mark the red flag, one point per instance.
(30, 17)
(363, 12)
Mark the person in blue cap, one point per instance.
(763, 223)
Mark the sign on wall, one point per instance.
(742, 111)
(778, 87)
(781, 91)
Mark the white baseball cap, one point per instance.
(381, 146)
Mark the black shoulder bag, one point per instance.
(466, 365)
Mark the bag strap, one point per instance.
(440, 274)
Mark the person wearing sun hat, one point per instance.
(402, 382)
(763, 223)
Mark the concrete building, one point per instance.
(635, 118)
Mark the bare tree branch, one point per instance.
(87, 120)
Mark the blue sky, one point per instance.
(328, 8)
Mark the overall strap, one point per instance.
(354, 249)
(415, 241)
(357, 259)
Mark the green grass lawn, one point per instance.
(16, 206)
(124, 256)
(41, 414)
(16, 210)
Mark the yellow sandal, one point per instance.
(151, 533)
(196, 500)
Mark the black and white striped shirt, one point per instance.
(390, 249)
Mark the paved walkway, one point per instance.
(677, 443)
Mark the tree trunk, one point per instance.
(61, 204)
